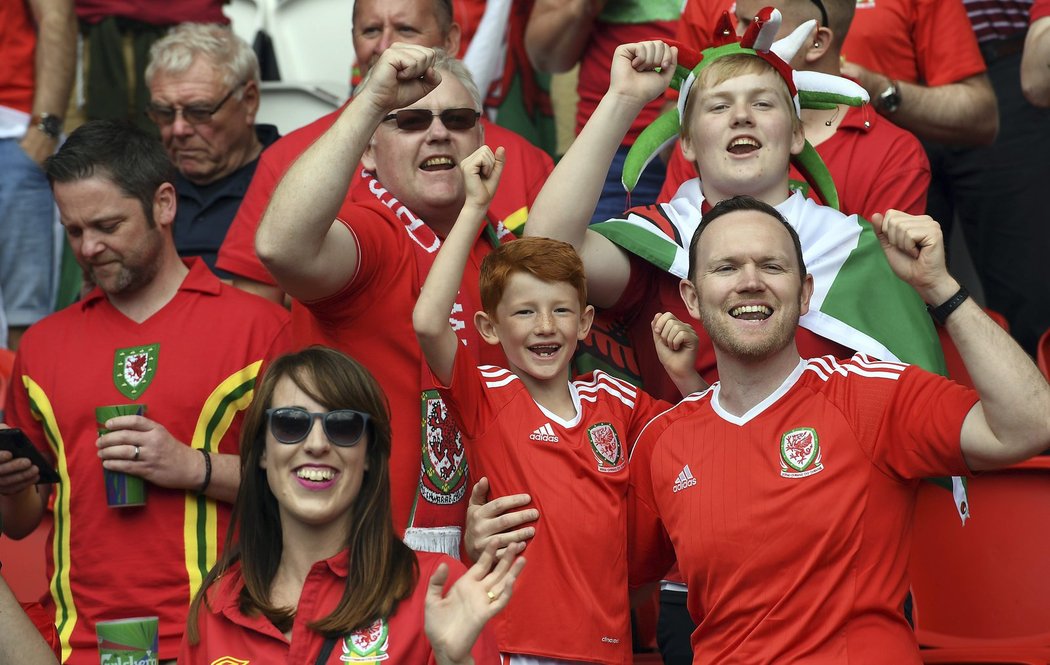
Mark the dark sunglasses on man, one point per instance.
(194, 114)
(418, 120)
(292, 424)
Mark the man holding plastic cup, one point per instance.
(156, 331)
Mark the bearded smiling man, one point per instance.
(200, 345)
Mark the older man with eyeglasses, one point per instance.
(204, 94)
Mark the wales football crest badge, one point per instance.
(134, 369)
(367, 645)
(606, 446)
(800, 453)
(443, 478)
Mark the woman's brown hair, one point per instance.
(382, 569)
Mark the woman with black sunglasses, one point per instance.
(313, 571)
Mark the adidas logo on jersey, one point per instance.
(685, 480)
(545, 433)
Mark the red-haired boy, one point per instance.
(529, 429)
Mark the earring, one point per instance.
(816, 44)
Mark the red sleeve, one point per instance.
(919, 436)
(649, 550)
(379, 255)
(678, 171)
(466, 397)
(907, 420)
(902, 180)
(945, 45)
(1040, 9)
(646, 408)
(191, 654)
(237, 253)
(919, 41)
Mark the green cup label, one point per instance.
(128, 641)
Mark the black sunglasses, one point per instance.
(292, 424)
(196, 114)
(417, 120)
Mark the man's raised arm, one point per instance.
(1012, 421)
(309, 254)
(566, 203)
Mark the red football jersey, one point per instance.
(791, 522)
(576, 473)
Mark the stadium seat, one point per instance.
(981, 591)
(313, 42)
(1043, 354)
(956, 369)
(247, 17)
(289, 106)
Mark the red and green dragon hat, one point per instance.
(809, 90)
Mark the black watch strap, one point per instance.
(941, 312)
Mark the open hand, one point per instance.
(454, 620)
(496, 522)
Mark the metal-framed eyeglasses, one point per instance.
(194, 114)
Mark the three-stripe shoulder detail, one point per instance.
(496, 377)
(859, 365)
(602, 382)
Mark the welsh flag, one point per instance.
(857, 299)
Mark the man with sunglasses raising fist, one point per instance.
(204, 93)
(410, 124)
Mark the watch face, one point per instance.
(50, 125)
(890, 99)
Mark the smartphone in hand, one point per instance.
(19, 444)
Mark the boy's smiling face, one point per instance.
(538, 323)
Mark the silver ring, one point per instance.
(136, 457)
